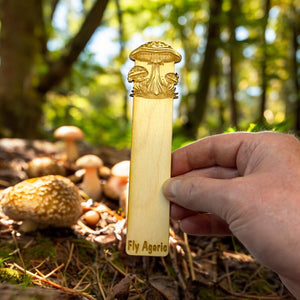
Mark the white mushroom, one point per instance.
(91, 184)
(117, 183)
(40, 202)
(70, 134)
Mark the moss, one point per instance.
(10, 276)
(42, 249)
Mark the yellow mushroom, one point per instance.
(47, 201)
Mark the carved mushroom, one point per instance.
(137, 74)
(156, 53)
(41, 202)
(172, 78)
(70, 134)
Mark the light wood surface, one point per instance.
(148, 210)
(150, 164)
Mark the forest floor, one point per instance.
(90, 263)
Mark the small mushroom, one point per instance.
(172, 78)
(91, 217)
(91, 184)
(137, 74)
(42, 166)
(70, 134)
(41, 202)
(116, 184)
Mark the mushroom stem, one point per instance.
(28, 226)
(154, 82)
(91, 183)
(71, 150)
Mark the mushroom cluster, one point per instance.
(154, 85)
(47, 201)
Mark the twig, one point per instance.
(190, 259)
(228, 275)
(251, 277)
(69, 258)
(121, 271)
(81, 279)
(173, 257)
(55, 270)
(64, 289)
(99, 283)
(136, 288)
(165, 266)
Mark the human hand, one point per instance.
(247, 184)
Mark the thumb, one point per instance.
(216, 196)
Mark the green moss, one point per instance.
(42, 249)
(10, 276)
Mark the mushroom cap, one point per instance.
(89, 161)
(51, 200)
(41, 166)
(137, 73)
(68, 133)
(121, 169)
(155, 52)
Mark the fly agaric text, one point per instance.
(146, 247)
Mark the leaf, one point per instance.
(121, 289)
(166, 286)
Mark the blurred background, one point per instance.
(65, 62)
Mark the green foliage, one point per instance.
(94, 95)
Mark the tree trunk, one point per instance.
(296, 66)
(20, 105)
(196, 113)
(264, 76)
(22, 48)
(232, 76)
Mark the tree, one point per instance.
(264, 75)
(196, 112)
(296, 65)
(233, 12)
(27, 70)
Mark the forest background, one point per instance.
(65, 62)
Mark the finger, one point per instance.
(216, 196)
(205, 224)
(214, 172)
(178, 212)
(218, 150)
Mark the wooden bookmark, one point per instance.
(153, 92)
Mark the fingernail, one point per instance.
(170, 188)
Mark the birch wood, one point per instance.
(148, 210)
(150, 165)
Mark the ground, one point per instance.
(85, 262)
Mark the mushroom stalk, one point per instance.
(91, 183)
(71, 150)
